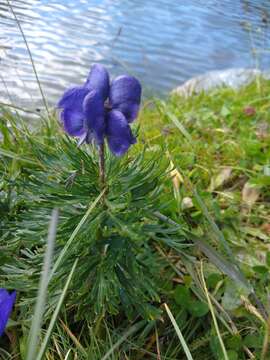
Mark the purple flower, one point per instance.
(99, 109)
(6, 303)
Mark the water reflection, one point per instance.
(161, 42)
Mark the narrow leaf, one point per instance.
(222, 264)
(14, 156)
(43, 285)
(130, 332)
(213, 316)
(179, 125)
(55, 314)
(179, 334)
(75, 232)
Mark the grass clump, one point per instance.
(195, 189)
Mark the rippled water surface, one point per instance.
(162, 42)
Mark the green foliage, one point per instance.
(116, 263)
(140, 247)
(184, 298)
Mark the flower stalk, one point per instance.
(101, 166)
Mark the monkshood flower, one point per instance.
(6, 303)
(100, 109)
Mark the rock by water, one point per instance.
(234, 78)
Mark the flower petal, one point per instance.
(125, 96)
(73, 121)
(73, 98)
(6, 303)
(93, 107)
(98, 79)
(118, 133)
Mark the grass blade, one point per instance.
(213, 315)
(55, 314)
(14, 156)
(73, 338)
(75, 232)
(180, 126)
(43, 285)
(19, 108)
(219, 235)
(67, 354)
(131, 331)
(179, 334)
(30, 56)
(221, 263)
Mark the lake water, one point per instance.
(162, 42)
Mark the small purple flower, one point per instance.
(6, 303)
(99, 109)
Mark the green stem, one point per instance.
(101, 167)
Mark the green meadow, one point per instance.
(170, 261)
